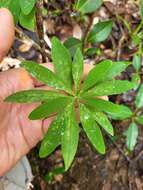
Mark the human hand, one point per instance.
(17, 133)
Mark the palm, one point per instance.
(17, 133)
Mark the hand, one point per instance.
(17, 133)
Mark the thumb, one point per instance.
(6, 31)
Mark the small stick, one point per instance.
(23, 35)
(120, 150)
(40, 30)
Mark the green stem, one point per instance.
(138, 28)
(91, 17)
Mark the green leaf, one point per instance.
(113, 110)
(28, 21)
(27, 6)
(139, 119)
(103, 121)
(131, 134)
(139, 97)
(72, 44)
(62, 61)
(52, 139)
(13, 6)
(88, 6)
(92, 129)
(29, 96)
(5, 3)
(137, 62)
(100, 32)
(105, 70)
(97, 74)
(136, 79)
(49, 108)
(117, 68)
(92, 51)
(70, 136)
(45, 75)
(77, 69)
(110, 88)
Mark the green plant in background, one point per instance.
(95, 34)
(23, 12)
(88, 6)
(137, 61)
(57, 171)
(136, 34)
(70, 94)
(136, 119)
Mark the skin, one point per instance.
(18, 135)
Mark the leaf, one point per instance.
(137, 62)
(131, 134)
(92, 51)
(51, 107)
(139, 119)
(136, 79)
(70, 137)
(91, 129)
(13, 6)
(72, 44)
(52, 139)
(77, 69)
(110, 88)
(30, 96)
(88, 6)
(113, 110)
(117, 68)
(105, 70)
(5, 3)
(100, 31)
(27, 6)
(103, 121)
(139, 97)
(97, 74)
(62, 61)
(28, 21)
(45, 75)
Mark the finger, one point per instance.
(6, 31)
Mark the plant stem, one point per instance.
(40, 30)
(138, 28)
(87, 31)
